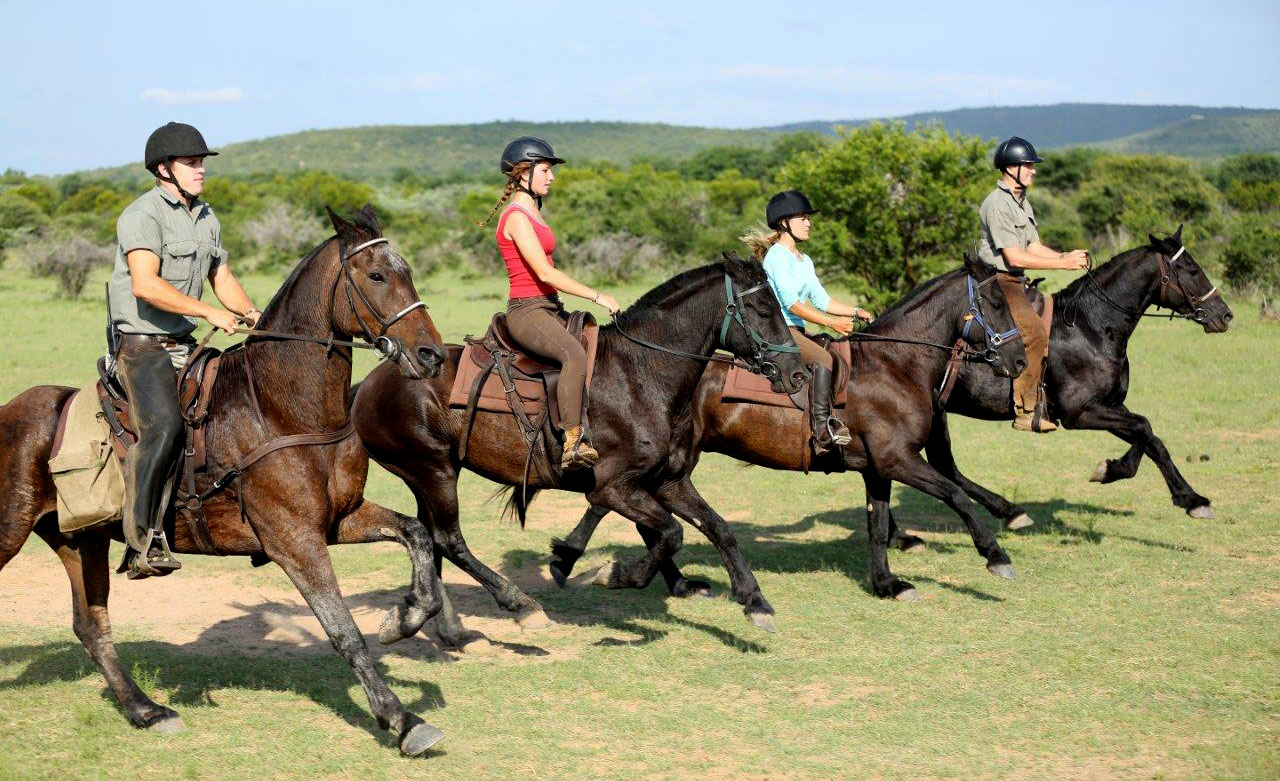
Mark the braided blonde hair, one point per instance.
(513, 181)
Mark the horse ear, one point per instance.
(1177, 235)
(976, 267)
(370, 220)
(343, 228)
(1155, 242)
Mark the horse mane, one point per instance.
(655, 296)
(899, 309)
(1103, 271)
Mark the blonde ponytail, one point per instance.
(759, 242)
(513, 181)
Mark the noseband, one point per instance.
(761, 348)
(974, 315)
(390, 347)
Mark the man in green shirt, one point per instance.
(169, 243)
(1010, 242)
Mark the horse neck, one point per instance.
(302, 386)
(1131, 284)
(934, 315)
(688, 320)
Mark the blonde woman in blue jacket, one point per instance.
(804, 300)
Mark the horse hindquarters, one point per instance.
(27, 428)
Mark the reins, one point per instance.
(1168, 279)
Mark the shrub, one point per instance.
(616, 257)
(1146, 194)
(69, 258)
(282, 234)
(1252, 255)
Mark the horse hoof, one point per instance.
(907, 595)
(1001, 570)
(1099, 474)
(685, 588)
(419, 739)
(401, 622)
(607, 576)
(534, 620)
(1204, 512)
(762, 620)
(909, 543)
(558, 575)
(1020, 521)
(168, 725)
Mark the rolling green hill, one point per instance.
(443, 150)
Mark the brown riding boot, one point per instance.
(1036, 420)
(578, 452)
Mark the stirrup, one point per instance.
(158, 562)
(579, 454)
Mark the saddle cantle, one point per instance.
(743, 386)
(534, 380)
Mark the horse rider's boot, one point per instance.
(151, 465)
(1036, 420)
(578, 452)
(827, 430)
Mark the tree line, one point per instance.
(898, 206)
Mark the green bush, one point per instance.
(1141, 194)
(1251, 258)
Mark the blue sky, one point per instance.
(84, 83)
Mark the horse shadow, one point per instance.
(192, 672)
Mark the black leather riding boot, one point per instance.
(151, 466)
(827, 431)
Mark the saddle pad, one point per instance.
(492, 397)
(742, 385)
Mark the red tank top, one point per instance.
(523, 283)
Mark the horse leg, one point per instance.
(683, 499)
(1136, 430)
(911, 469)
(565, 553)
(941, 457)
(883, 582)
(306, 561)
(1112, 469)
(374, 523)
(644, 510)
(89, 571)
(437, 495)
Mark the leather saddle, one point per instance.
(534, 381)
(743, 386)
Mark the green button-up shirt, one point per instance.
(189, 245)
(1006, 221)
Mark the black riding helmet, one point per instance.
(175, 139)
(528, 149)
(788, 203)
(1016, 151)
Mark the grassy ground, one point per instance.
(1135, 642)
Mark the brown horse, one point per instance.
(296, 500)
(639, 402)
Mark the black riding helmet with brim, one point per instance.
(1016, 151)
(788, 203)
(528, 149)
(173, 140)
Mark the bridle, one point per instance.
(390, 347)
(1169, 280)
(761, 349)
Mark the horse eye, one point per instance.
(376, 277)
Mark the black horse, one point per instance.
(1088, 372)
(639, 402)
(898, 364)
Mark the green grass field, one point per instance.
(1135, 642)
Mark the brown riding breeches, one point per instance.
(1035, 339)
(811, 351)
(536, 323)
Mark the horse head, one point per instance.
(988, 324)
(378, 300)
(763, 338)
(1185, 287)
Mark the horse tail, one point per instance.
(517, 503)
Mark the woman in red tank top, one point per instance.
(535, 316)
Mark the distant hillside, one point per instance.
(1063, 124)
(438, 150)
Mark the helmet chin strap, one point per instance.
(786, 228)
(520, 185)
(173, 180)
(1018, 178)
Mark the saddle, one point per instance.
(495, 374)
(743, 386)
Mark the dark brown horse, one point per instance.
(639, 402)
(890, 413)
(296, 500)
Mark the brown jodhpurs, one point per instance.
(1035, 339)
(811, 351)
(538, 325)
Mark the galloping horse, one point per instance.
(644, 379)
(287, 506)
(891, 396)
(1088, 373)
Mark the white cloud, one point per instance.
(193, 96)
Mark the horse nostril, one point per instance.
(1227, 317)
(1020, 364)
(430, 357)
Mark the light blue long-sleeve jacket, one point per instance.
(794, 279)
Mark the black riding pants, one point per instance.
(151, 466)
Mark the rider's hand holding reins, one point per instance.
(222, 320)
(1076, 259)
(607, 301)
(841, 325)
(864, 315)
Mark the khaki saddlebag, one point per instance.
(88, 475)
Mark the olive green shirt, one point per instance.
(189, 245)
(1005, 221)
